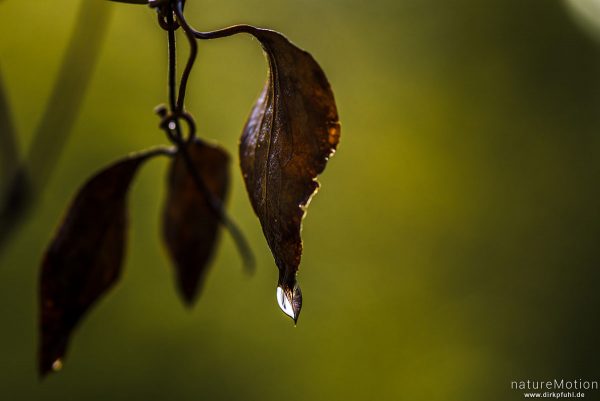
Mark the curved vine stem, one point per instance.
(177, 105)
(220, 33)
(192, 57)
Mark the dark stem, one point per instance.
(177, 113)
(191, 59)
(172, 64)
(217, 208)
(221, 33)
(173, 77)
(225, 32)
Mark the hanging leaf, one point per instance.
(84, 259)
(292, 131)
(190, 226)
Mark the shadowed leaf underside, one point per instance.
(84, 259)
(190, 227)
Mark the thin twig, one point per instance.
(217, 208)
(225, 32)
(172, 65)
(191, 59)
(177, 109)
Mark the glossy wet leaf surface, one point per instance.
(190, 227)
(85, 257)
(292, 131)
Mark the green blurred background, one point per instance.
(452, 248)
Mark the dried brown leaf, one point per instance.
(292, 131)
(190, 225)
(84, 259)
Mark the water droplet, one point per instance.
(284, 303)
(57, 365)
(334, 135)
(172, 125)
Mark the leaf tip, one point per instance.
(188, 294)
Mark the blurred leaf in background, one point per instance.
(452, 248)
(23, 180)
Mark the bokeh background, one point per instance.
(452, 248)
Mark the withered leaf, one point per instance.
(292, 131)
(84, 259)
(190, 226)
